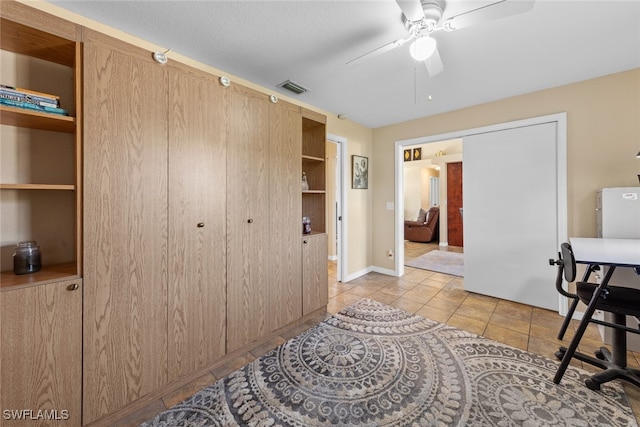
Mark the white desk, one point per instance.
(612, 252)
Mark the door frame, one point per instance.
(561, 137)
(341, 228)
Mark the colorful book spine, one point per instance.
(32, 106)
(26, 98)
(31, 95)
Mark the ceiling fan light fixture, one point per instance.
(422, 48)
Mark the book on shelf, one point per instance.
(27, 98)
(35, 107)
(30, 95)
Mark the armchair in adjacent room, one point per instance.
(425, 229)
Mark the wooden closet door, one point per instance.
(125, 228)
(247, 217)
(41, 352)
(285, 215)
(197, 227)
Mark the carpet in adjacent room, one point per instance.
(440, 262)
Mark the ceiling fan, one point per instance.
(423, 17)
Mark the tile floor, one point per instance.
(440, 297)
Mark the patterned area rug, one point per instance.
(374, 365)
(441, 262)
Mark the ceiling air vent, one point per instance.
(293, 87)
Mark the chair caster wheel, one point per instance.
(592, 385)
(599, 354)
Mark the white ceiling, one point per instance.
(309, 42)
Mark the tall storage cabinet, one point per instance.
(155, 228)
(125, 223)
(285, 292)
(247, 217)
(263, 216)
(314, 245)
(40, 313)
(197, 226)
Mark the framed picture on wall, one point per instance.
(359, 172)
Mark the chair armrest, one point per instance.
(414, 224)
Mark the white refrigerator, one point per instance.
(618, 217)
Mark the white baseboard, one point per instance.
(384, 271)
(357, 274)
(370, 269)
(332, 257)
(444, 244)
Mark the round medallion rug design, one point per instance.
(374, 365)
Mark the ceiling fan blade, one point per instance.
(377, 52)
(434, 64)
(412, 9)
(491, 12)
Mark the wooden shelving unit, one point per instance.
(14, 116)
(314, 166)
(23, 192)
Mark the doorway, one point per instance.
(528, 254)
(336, 205)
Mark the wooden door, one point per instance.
(314, 273)
(454, 203)
(197, 226)
(41, 352)
(247, 136)
(125, 227)
(285, 214)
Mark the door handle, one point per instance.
(200, 224)
(250, 221)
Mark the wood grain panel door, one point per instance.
(41, 352)
(285, 214)
(125, 228)
(197, 227)
(454, 203)
(314, 273)
(247, 137)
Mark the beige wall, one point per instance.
(603, 137)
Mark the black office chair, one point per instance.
(619, 301)
(566, 263)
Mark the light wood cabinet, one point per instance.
(247, 217)
(125, 224)
(197, 225)
(263, 216)
(41, 354)
(285, 215)
(315, 292)
(40, 187)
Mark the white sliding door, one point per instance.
(511, 208)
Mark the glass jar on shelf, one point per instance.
(27, 258)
